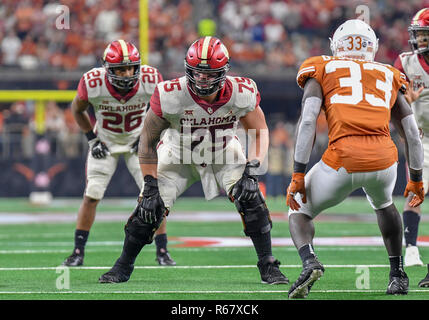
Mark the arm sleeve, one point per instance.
(415, 147)
(307, 129)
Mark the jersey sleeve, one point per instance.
(400, 80)
(82, 92)
(246, 94)
(310, 68)
(160, 77)
(258, 99)
(258, 94)
(155, 103)
(398, 64)
(150, 77)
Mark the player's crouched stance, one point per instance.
(202, 102)
(360, 154)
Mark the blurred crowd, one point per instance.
(267, 34)
(19, 131)
(263, 36)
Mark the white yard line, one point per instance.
(152, 249)
(198, 291)
(194, 267)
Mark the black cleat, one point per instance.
(311, 272)
(424, 283)
(118, 273)
(270, 271)
(74, 260)
(164, 259)
(398, 284)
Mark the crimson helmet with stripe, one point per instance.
(120, 53)
(419, 32)
(206, 65)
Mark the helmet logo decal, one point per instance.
(205, 49)
(124, 50)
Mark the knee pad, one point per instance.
(255, 216)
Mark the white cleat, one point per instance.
(412, 257)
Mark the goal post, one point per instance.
(144, 30)
(40, 98)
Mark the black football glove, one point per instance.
(135, 146)
(247, 187)
(151, 208)
(98, 149)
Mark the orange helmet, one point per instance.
(419, 25)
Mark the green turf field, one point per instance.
(31, 251)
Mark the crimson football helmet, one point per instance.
(206, 65)
(120, 53)
(419, 31)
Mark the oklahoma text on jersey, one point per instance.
(119, 119)
(199, 131)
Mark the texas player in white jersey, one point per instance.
(119, 93)
(415, 65)
(190, 135)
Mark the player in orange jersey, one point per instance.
(359, 98)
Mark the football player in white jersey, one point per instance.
(119, 92)
(415, 65)
(189, 135)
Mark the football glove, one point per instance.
(247, 187)
(151, 209)
(419, 194)
(98, 149)
(297, 185)
(135, 146)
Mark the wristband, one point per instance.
(90, 135)
(299, 167)
(416, 177)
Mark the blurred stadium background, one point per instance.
(41, 146)
(43, 54)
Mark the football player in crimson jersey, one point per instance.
(189, 135)
(119, 93)
(415, 65)
(359, 97)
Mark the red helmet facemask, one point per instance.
(419, 32)
(120, 53)
(206, 65)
